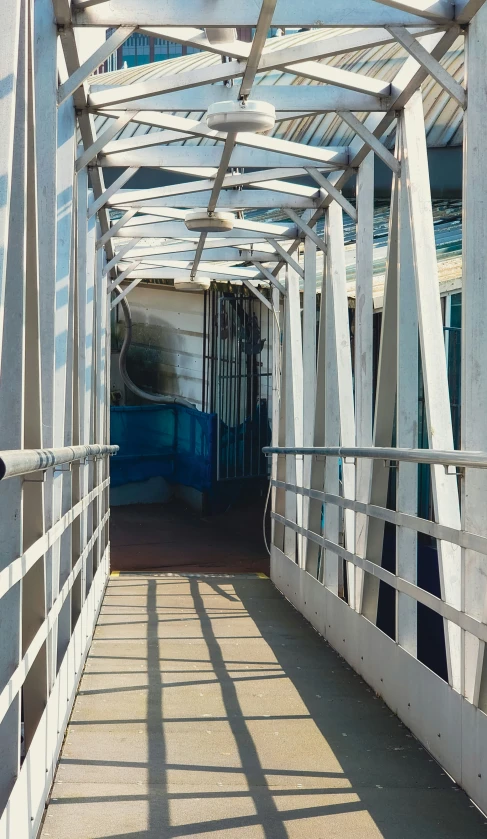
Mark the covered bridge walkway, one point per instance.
(211, 705)
(210, 708)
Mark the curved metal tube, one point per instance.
(159, 398)
(23, 461)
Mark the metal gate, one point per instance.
(237, 383)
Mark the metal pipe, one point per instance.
(23, 461)
(429, 456)
(159, 398)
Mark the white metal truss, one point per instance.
(71, 248)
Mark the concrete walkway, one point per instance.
(209, 708)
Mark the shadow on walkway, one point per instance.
(211, 708)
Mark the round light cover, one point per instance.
(200, 283)
(200, 221)
(245, 115)
(219, 35)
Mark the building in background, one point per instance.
(144, 49)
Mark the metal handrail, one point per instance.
(23, 461)
(429, 456)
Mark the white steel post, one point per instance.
(339, 389)
(55, 371)
(61, 551)
(91, 385)
(437, 397)
(45, 85)
(8, 70)
(276, 392)
(406, 419)
(317, 476)
(474, 347)
(280, 496)
(364, 337)
(385, 403)
(12, 295)
(294, 409)
(34, 605)
(309, 370)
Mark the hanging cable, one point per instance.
(160, 398)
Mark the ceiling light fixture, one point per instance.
(200, 221)
(245, 115)
(219, 35)
(197, 283)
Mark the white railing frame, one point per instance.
(386, 664)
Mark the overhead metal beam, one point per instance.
(309, 98)
(231, 199)
(466, 9)
(125, 292)
(259, 227)
(333, 192)
(258, 44)
(404, 85)
(229, 254)
(115, 229)
(119, 255)
(123, 276)
(137, 196)
(153, 246)
(289, 59)
(371, 141)
(101, 141)
(185, 126)
(62, 12)
(344, 78)
(220, 14)
(255, 291)
(100, 55)
(226, 154)
(178, 230)
(210, 267)
(308, 231)
(225, 273)
(112, 189)
(287, 258)
(438, 11)
(270, 277)
(290, 156)
(434, 68)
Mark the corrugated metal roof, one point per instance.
(447, 217)
(443, 115)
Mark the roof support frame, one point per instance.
(100, 55)
(431, 64)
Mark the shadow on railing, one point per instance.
(330, 509)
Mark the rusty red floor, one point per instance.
(170, 537)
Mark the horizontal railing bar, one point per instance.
(17, 679)
(19, 567)
(463, 538)
(17, 462)
(466, 622)
(428, 456)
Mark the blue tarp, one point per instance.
(241, 446)
(171, 441)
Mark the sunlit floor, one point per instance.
(210, 708)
